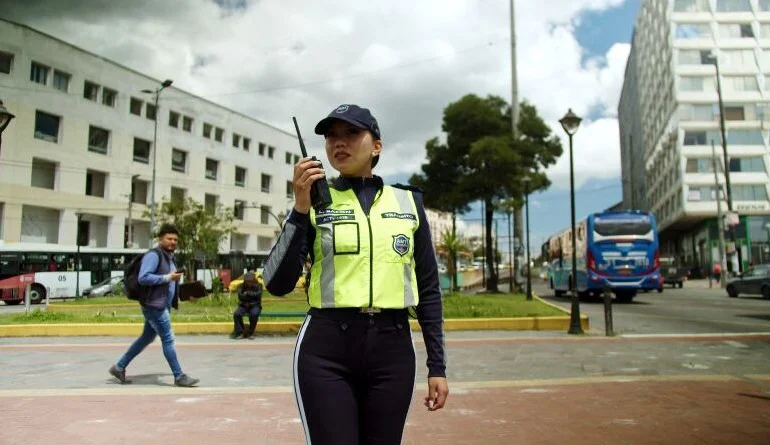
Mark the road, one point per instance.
(694, 309)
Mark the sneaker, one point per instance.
(186, 380)
(120, 375)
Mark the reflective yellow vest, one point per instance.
(362, 261)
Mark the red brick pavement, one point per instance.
(715, 412)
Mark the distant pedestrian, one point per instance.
(249, 303)
(159, 274)
(717, 271)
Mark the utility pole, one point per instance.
(77, 257)
(166, 83)
(130, 196)
(517, 215)
(720, 222)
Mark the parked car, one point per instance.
(754, 281)
(105, 288)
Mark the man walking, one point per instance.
(159, 275)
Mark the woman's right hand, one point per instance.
(306, 172)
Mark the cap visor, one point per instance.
(326, 122)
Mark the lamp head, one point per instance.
(570, 122)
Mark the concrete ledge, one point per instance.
(275, 327)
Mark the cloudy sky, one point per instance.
(406, 60)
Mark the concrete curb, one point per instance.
(556, 323)
(274, 327)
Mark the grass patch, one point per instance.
(219, 308)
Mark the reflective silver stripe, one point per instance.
(327, 266)
(279, 252)
(402, 196)
(295, 369)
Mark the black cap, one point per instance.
(352, 114)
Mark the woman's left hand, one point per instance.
(438, 390)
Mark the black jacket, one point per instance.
(250, 295)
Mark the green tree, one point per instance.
(439, 182)
(485, 162)
(201, 229)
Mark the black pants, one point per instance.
(354, 376)
(240, 311)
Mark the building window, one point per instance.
(735, 30)
(733, 6)
(239, 209)
(178, 160)
(38, 73)
(289, 189)
(95, 183)
(741, 83)
(240, 176)
(136, 106)
(699, 165)
(764, 5)
(744, 137)
(173, 119)
(264, 214)
(693, 31)
(187, 123)
(738, 57)
(691, 6)
(219, 134)
(270, 152)
(47, 126)
(246, 144)
(207, 130)
(701, 137)
(141, 151)
(98, 139)
(109, 97)
(178, 195)
(212, 168)
(752, 164)
(690, 83)
(151, 112)
(262, 147)
(735, 113)
(288, 158)
(210, 203)
(693, 57)
(236, 140)
(265, 183)
(698, 112)
(43, 174)
(6, 61)
(749, 192)
(296, 158)
(61, 80)
(90, 91)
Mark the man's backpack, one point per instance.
(134, 290)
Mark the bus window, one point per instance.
(9, 264)
(61, 261)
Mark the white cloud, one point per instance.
(405, 60)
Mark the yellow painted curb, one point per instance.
(274, 327)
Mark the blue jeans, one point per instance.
(157, 322)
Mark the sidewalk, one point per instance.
(506, 388)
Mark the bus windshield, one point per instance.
(622, 227)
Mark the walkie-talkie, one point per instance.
(320, 196)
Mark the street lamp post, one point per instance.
(570, 123)
(77, 256)
(166, 83)
(713, 59)
(130, 221)
(526, 181)
(5, 119)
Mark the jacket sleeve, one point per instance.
(430, 308)
(286, 260)
(147, 275)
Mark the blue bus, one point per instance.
(618, 249)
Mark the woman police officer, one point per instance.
(372, 259)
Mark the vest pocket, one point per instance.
(346, 238)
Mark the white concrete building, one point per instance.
(669, 116)
(82, 142)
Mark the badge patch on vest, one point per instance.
(401, 244)
(399, 215)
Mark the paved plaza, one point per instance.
(506, 387)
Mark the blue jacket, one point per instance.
(156, 265)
